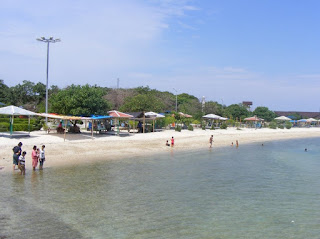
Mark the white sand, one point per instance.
(81, 148)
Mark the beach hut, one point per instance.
(119, 115)
(14, 111)
(255, 120)
(66, 118)
(153, 116)
(283, 118)
(211, 116)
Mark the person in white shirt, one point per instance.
(22, 163)
(42, 157)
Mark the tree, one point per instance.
(211, 107)
(80, 100)
(264, 113)
(117, 96)
(236, 111)
(142, 102)
(4, 90)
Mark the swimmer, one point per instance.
(167, 143)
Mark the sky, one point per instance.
(264, 51)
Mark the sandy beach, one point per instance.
(81, 148)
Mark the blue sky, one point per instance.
(265, 51)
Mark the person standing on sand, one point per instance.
(16, 154)
(210, 141)
(172, 141)
(34, 157)
(42, 157)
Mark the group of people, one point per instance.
(37, 155)
(172, 142)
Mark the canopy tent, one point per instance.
(13, 111)
(63, 117)
(211, 116)
(119, 115)
(154, 116)
(99, 126)
(312, 120)
(185, 115)
(302, 120)
(283, 118)
(223, 118)
(253, 118)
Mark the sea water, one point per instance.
(254, 191)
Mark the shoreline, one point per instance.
(82, 149)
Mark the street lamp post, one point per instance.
(48, 41)
(176, 99)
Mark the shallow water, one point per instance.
(254, 191)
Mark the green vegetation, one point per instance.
(223, 126)
(20, 124)
(177, 128)
(264, 113)
(190, 127)
(237, 111)
(288, 125)
(273, 125)
(87, 100)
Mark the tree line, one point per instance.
(87, 100)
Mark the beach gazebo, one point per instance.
(15, 111)
(283, 118)
(153, 116)
(213, 117)
(119, 115)
(254, 119)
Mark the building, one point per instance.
(304, 115)
(247, 104)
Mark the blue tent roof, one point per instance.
(95, 117)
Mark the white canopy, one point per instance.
(154, 115)
(223, 118)
(211, 116)
(14, 110)
(312, 120)
(284, 118)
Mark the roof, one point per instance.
(118, 114)
(14, 110)
(95, 117)
(303, 114)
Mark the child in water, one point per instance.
(22, 163)
(167, 143)
(172, 141)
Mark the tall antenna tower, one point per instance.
(118, 83)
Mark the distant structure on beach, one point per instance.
(294, 114)
(203, 103)
(247, 104)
